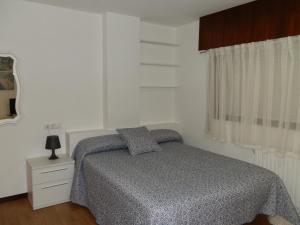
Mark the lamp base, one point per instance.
(53, 156)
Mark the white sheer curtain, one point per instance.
(254, 95)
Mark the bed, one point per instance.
(178, 185)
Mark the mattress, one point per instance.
(178, 185)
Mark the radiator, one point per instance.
(287, 168)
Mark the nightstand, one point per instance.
(49, 181)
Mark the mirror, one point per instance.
(9, 90)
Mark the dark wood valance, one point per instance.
(255, 21)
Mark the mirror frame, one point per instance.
(15, 74)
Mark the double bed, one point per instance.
(179, 185)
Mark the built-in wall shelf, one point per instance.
(158, 69)
(159, 64)
(159, 43)
(158, 86)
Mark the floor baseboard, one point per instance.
(14, 197)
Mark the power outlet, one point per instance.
(53, 126)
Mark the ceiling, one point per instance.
(167, 12)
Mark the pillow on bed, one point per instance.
(139, 140)
(99, 144)
(166, 135)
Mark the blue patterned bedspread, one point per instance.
(180, 185)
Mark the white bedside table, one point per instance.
(49, 181)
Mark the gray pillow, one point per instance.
(165, 135)
(99, 144)
(139, 140)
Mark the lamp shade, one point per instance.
(52, 142)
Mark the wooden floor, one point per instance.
(19, 212)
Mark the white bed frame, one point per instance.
(75, 136)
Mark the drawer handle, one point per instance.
(56, 185)
(51, 171)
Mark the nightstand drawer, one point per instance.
(51, 193)
(50, 174)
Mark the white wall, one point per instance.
(192, 109)
(159, 33)
(192, 80)
(60, 70)
(121, 74)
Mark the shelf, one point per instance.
(159, 64)
(158, 86)
(159, 43)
